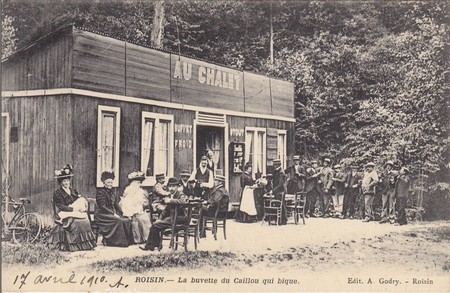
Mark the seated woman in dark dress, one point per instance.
(73, 231)
(115, 228)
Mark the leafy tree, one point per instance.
(9, 39)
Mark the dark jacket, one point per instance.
(175, 203)
(297, 178)
(219, 194)
(246, 180)
(311, 179)
(339, 182)
(62, 200)
(107, 202)
(388, 181)
(325, 178)
(278, 182)
(402, 186)
(352, 180)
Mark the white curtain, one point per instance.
(108, 141)
(249, 141)
(148, 147)
(163, 148)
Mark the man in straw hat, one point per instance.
(368, 184)
(388, 181)
(183, 184)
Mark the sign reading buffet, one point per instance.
(207, 75)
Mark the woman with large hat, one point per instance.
(115, 228)
(133, 202)
(73, 231)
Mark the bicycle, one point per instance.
(24, 226)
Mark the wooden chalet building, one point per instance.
(100, 103)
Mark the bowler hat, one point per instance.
(220, 178)
(248, 164)
(172, 181)
(64, 172)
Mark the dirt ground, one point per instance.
(323, 254)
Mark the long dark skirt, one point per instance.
(73, 235)
(115, 231)
(259, 206)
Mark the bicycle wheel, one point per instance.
(27, 228)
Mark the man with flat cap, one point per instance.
(368, 185)
(388, 181)
(352, 185)
(325, 184)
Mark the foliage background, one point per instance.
(371, 78)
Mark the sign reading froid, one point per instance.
(207, 75)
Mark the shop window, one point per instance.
(255, 149)
(157, 144)
(281, 148)
(108, 142)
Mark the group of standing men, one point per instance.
(342, 193)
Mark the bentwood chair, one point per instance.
(181, 228)
(219, 220)
(295, 206)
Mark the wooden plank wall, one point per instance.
(44, 144)
(45, 65)
(112, 66)
(237, 133)
(85, 140)
(200, 83)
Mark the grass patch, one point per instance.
(31, 254)
(190, 259)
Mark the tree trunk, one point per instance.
(158, 25)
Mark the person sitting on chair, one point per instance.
(220, 196)
(74, 231)
(133, 203)
(183, 185)
(176, 198)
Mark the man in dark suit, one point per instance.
(352, 187)
(388, 181)
(312, 189)
(279, 189)
(401, 193)
(172, 202)
(219, 196)
(296, 173)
